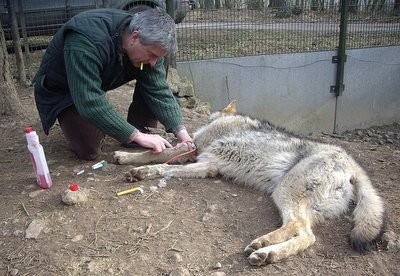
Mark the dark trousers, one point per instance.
(139, 113)
(86, 141)
(83, 138)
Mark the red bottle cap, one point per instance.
(28, 129)
(74, 187)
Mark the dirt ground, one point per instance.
(184, 227)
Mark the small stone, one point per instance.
(18, 233)
(212, 208)
(145, 213)
(175, 257)
(91, 266)
(73, 197)
(13, 272)
(35, 193)
(34, 229)
(206, 217)
(180, 272)
(217, 266)
(218, 273)
(370, 132)
(77, 238)
(162, 183)
(153, 188)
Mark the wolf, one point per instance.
(309, 181)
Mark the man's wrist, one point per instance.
(177, 129)
(183, 135)
(133, 136)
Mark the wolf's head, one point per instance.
(223, 123)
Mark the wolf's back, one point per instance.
(369, 214)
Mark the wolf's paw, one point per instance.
(117, 157)
(262, 257)
(253, 246)
(257, 258)
(136, 174)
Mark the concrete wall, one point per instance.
(372, 89)
(293, 90)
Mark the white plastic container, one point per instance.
(38, 159)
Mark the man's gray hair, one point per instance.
(155, 27)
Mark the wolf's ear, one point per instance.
(230, 108)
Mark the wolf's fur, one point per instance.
(308, 181)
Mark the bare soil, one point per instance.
(186, 227)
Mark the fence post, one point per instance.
(340, 59)
(171, 10)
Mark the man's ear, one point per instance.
(230, 108)
(134, 36)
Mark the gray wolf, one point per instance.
(308, 181)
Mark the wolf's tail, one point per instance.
(369, 214)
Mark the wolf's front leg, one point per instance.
(148, 157)
(194, 170)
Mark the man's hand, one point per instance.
(183, 136)
(151, 141)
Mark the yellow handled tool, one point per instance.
(130, 191)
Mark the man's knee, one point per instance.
(88, 154)
(84, 139)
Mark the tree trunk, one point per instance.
(22, 21)
(9, 101)
(209, 4)
(17, 43)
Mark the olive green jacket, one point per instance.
(83, 61)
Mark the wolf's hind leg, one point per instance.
(274, 253)
(294, 236)
(284, 233)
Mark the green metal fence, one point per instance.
(215, 33)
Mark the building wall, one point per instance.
(293, 90)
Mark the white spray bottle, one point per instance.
(38, 159)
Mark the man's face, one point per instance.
(139, 53)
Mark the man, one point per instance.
(100, 50)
